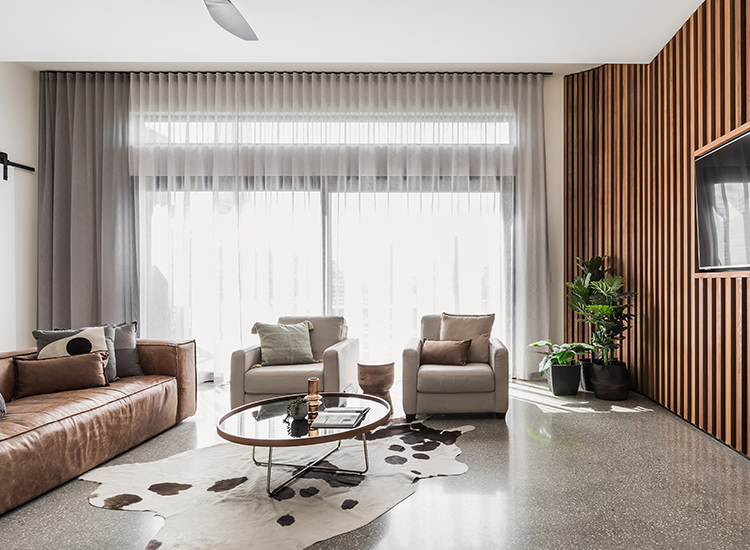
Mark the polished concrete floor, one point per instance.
(567, 473)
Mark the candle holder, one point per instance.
(313, 397)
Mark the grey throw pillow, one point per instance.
(126, 350)
(2, 406)
(284, 344)
(66, 343)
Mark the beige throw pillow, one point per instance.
(476, 328)
(284, 344)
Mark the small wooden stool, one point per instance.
(376, 379)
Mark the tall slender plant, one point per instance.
(582, 293)
(598, 301)
(610, 318)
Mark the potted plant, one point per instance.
(609, 319)
(559, 361)
(297, 408)
(581, 296)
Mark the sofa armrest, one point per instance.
(242, 360)
(499, 365)
(340, 365)
(176, 359)
(410, 364)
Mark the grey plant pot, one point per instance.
(563, 379)
(299, 413)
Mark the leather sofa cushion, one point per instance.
(469, 378)
(282, 379)
(36, 411)
(35, 376)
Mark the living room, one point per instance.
(348, 181)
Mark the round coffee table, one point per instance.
(265, 424)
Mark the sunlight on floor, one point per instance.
(537, 393)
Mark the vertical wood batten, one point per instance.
(629, 178)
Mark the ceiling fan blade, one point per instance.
(229, 18)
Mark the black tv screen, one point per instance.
(722, 199)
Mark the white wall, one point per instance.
(554, 132)
(19, 114)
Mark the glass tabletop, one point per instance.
(266, 423)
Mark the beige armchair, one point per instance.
(470, 388)
(336, 368)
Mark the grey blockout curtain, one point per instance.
(379, 197)
(87, 226)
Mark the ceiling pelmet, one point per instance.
(487, 34)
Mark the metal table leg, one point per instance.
(313, 465)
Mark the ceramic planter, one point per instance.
(299, 412)
(611, 381)
(563, 379)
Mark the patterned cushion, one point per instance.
(2, 406)
(284, 344)
(66, 343)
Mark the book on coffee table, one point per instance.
(340, 417)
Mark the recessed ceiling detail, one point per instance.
(301, 34)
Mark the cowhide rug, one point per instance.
(215, 497)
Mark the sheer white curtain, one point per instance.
(380, 197)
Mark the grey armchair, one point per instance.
(336, 368)
(470, 388)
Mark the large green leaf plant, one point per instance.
(598, 300)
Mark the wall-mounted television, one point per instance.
(722, 202)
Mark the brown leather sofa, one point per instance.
(48, 439)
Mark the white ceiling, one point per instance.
(560, 36)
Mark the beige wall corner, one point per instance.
(554, 130)
(19, 135)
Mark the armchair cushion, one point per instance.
(285, 344)
(282, 380)
(474, 327)
(470, 378)
(445, 352)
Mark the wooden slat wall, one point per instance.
(631, 131)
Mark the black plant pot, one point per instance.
(611, 381)
(587, 371)
(563, 379)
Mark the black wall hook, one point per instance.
(5, 162)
